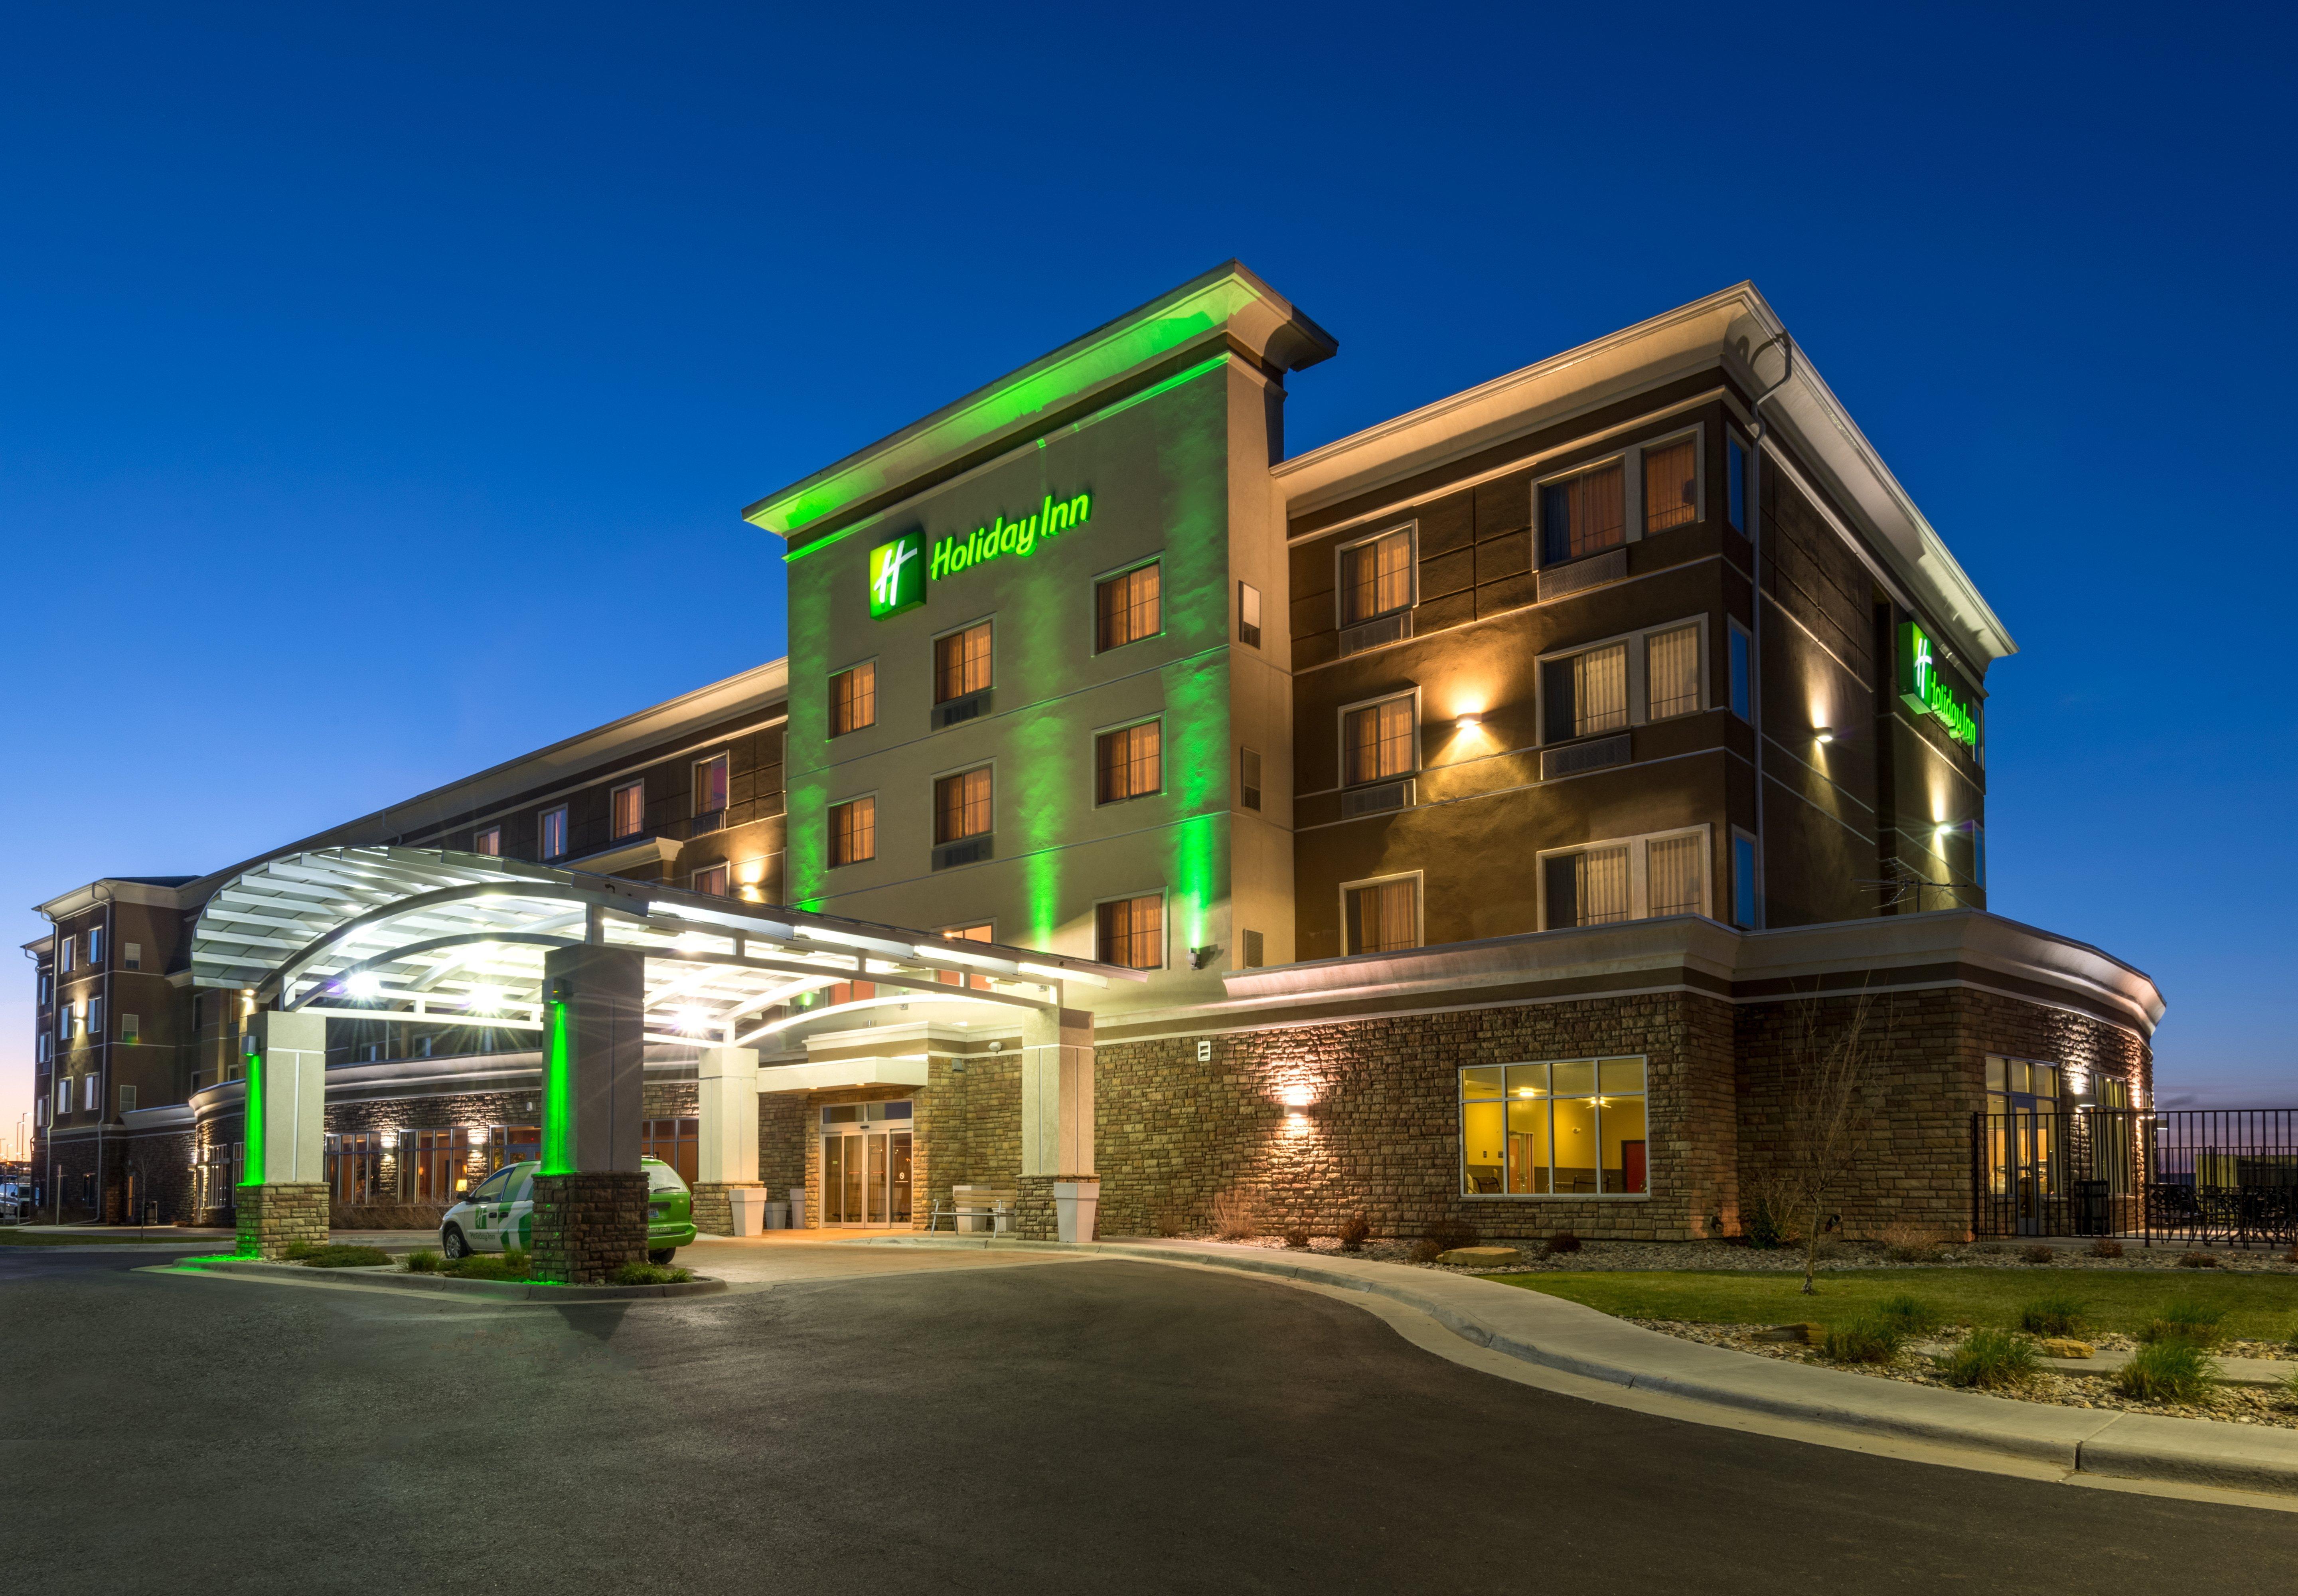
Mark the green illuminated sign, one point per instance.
(1925, 693)
(900, 570)
(898, 576)
(557, 1095)
(251, 1127)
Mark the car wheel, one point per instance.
(661, 1254)
(451, 1242)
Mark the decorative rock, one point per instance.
(1480, 1257)
(2063, 1346)
(1807, 1334)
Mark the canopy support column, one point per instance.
(1060, 1194)
(727, 1154)
(281, 1198)
(590, 1195)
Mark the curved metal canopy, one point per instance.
(429, 935)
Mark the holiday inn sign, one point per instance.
(899, 570)
(1924, 692)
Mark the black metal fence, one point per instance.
(2194, 1176)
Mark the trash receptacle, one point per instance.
(749, 1209)
(797, 1207)
(777, 1216)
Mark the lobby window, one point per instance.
(1582, 515)
(1743, 687)
(676, 1142)
(488, 842)
(1585, 693)
(1248, 614)
(961, 663)
(853, 832)
(1627, 877)
(131, 955)
(553, 827)
(847, 991)
(1382, 916)
(983, 933)
(1572, 1128)
(854, 698)
(961, 806)
(1128, 607)
(1248, 778)
(1735, 483)
(1130, 932)
(1672, 672)
(1376, 741)
(1745, 888)
(131, 1027)
(1129, 763)
(711, 879)
(710, 777)
(1672, 484)
(627, 805)
(1377, 577)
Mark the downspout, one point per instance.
(1756, 577)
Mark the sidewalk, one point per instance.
(1556, 1334)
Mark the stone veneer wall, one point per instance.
(161, 1159)
(271, 1219)
(588, 1225)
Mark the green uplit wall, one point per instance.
(1156, 467)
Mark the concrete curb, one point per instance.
(391, 1278)
(1556, 1334)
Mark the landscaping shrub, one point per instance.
(1988, 1360)
(2106, 1246)
(1761, 1224)
(2292, 1255)
(423, 1261)
(1425, 1249)
(1875, 1340)
(649, 1274)
(2198, 1261)
(298, 1251)
(1987, 1249)
(486, 1266)
(515, 1260)
(1236, 1217)
(343, 1255)
(2038, 1254)
(1910, 1243)
(1355, 1231)
(1297, 1239)
(2057, 1314)
(2188, 1320)
(1912, 1315)
(1562, 1241)
(2174, 1370)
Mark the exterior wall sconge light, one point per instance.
(1822, 734)
(1469, 721)
(1294, 1097)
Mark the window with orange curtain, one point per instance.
(1376, 741)
(1583, 515)
(1129, 763)
(853, 832)
(1130, 932)
(1671, 485)
(1385, 916)
(1377, 577)
(961, 664)
(961, 806)
(1128, 608)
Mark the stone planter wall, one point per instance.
(271, 1219)
(588, 1225)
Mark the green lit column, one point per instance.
(590, 1197)
(1060, 1192)
(726, 1162)
(283, 1190)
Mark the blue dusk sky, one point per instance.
(379, 387)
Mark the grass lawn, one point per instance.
(11, 1237)
(2258, 1307)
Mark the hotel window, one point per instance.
(1382, 916)
(711, 879)
(1584, 693)
(961, 806)
(65, 1017)
(961, 663)
(354, 1165)
(95, 1019)
(48, 989)
(1130, 932)
(853, 832)
(126, 1094)
(710, 785)
(966, 933)
(1129, 763)
(1735, 483)
(63, 1094)
(131, 955)
(1128, 608)
(1574, 1127)
(1745, 888)
(131, 1027)
(1626, 878)
(1377, 577)
(42, 1048)
(1248, 614)
(1376, 741)
(95, 948)
(437, 1169)
(488, 842)
(94, 1094)
(1672, 672)
(1583, 515)
(854, 698)
(1672, 484)
(1254, 957)
(1248, 778)
(627, 804)
(1743, 693)
(553, 839)
(64, 954)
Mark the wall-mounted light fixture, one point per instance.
(1822, 734)
(1296, 1096)
(1469, 721)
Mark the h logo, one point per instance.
(898, 576)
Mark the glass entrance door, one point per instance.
(866, 1154)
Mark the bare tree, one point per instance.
(1829, 1071)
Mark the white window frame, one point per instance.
(1460, 1100)
(1164, 922)
(1247, 591)
(694, 876)
(1638, 647)
(1093, 598)
(542, 834)
(1420, 906)
(125, 1093)
(615, 792)
(1630, 458)
(92, 1094)
(1410, 528)
(1163, 780)
(933, 812)
(829, 826)
(131, 1029)
(95, 947)
(725, 757)
(131, 955)
(481, 834)
(1340, 739)
(64, 1095)
(870, 661)
(67, 1019)
(1639, 872)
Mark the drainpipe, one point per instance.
(1755, 574)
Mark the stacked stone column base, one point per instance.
(588, 1226)
(1034, 1215)
(713, 1204)
(271, 1219)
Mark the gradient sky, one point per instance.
(378, 387)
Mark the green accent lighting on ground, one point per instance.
(557, 1097)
